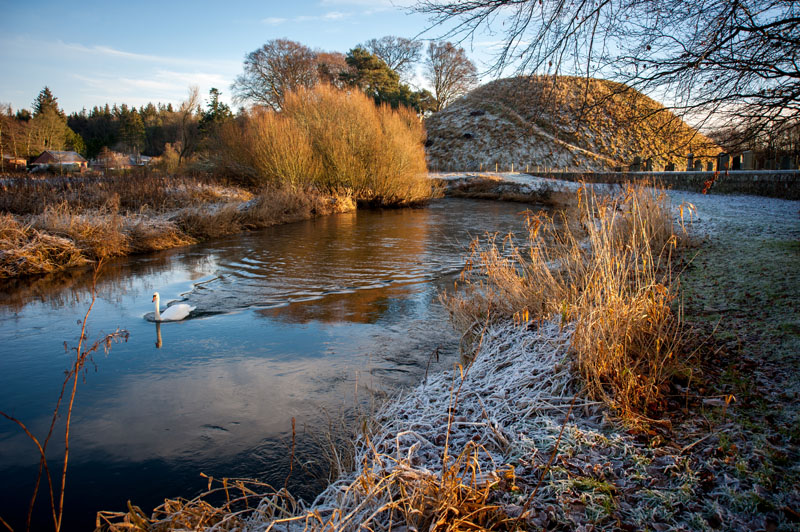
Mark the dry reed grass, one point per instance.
(26, 251)
(338, 141)
(241, 496)
(147, 234)
(458, 499)
(98, 236)
(63, 223)
(132, 193)
(611, 276)
(274, 206)
(271, 206)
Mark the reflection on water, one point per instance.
(294, 321)
(159, 341)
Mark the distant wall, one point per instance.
(774, 183)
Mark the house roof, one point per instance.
(59, 157)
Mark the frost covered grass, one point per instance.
(509, 441)
(608, 273)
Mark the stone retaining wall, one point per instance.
(773, 183)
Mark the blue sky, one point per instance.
(96, 52)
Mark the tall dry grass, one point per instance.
(70, 233)
(27, 251)
(609, 273)
(132, 193)
(338, 141)
(99, 235)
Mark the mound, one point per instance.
(562, 122)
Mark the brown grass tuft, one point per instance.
(98, 236)
(155, 235)
(457, 500)
(609, 275)
(26, 251)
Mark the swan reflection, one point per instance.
(158, 335)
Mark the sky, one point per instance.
(95, 52)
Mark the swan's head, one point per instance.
(155, 296)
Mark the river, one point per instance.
(316, 321)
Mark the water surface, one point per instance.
(312, 320)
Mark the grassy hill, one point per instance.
(561, 122)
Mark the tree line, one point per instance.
(383, 69)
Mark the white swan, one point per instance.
(173, 313)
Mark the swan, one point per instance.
(173, 313)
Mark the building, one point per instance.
(60, 159)
(11, 162)
(112, 160)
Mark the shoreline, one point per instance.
(64, 235)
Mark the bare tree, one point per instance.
(276, 68)
(332, 67)
(399, 53)
(187, 124)
(449, 71)
(6, 123)
(734, 59)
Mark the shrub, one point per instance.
(338, 141)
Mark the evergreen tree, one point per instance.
(44, 102)
(131, 130)
(374, 77)
(217, 111)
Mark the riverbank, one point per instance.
(501, 447)
(51, 225)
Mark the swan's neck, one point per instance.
(158, 313)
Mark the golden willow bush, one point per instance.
(608, 274)
(337, 141)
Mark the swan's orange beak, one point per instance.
(154, 298)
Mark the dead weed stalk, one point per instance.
(610, 274)
(82, 354)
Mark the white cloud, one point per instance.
(113, 52)
(334, 15)
(326, 17)
(159, 86)
(367, 3)
(274, 21)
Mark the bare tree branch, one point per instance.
(731, 59)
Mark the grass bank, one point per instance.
(53, 224)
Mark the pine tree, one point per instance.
(44, 102)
